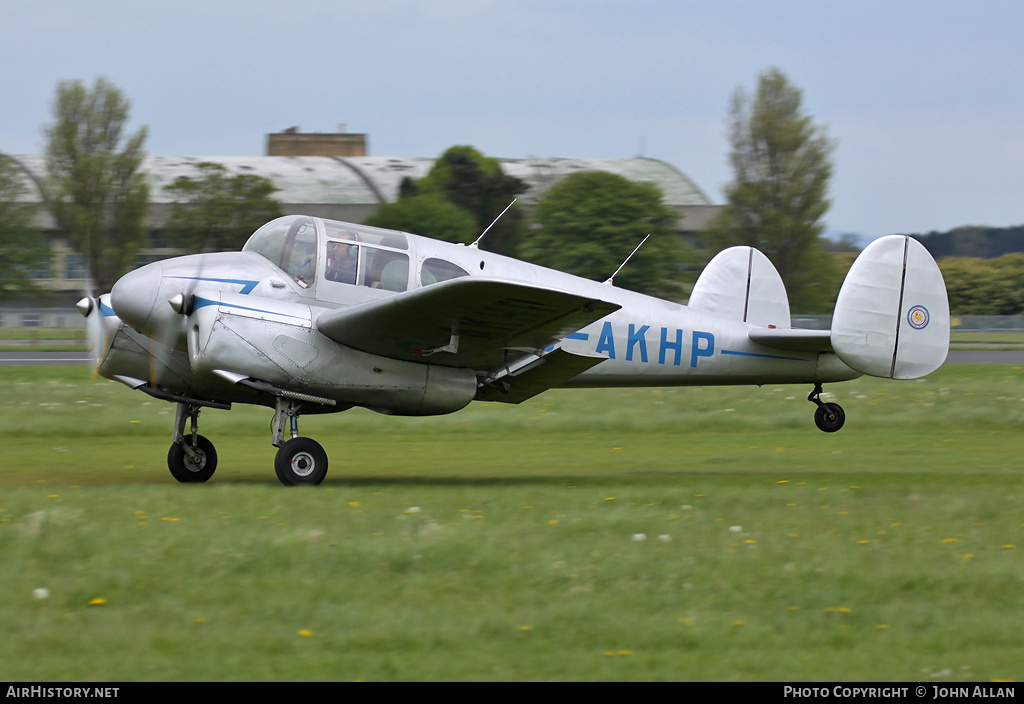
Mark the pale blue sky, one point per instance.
(923, 97)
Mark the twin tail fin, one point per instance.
(891, 318)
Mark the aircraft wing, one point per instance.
(466, 322)
(793, 339)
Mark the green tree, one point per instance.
(95, 187)
(22, 247)
(781, 165)
(465, 178)
(428, 215)
(589, 222)
(984, 286)
(215, 211)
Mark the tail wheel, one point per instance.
(195, 469)
(829, 417)
(301, 461)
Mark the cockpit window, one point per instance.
(342, 260)
(365, 233)
(386, 270)
(435, 271)
(290, 243)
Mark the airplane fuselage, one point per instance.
(250, 315)
(316, 316)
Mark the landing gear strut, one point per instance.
(829, 417)
(299, 461)
(192, 458)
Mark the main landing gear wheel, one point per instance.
(829, 417)
(196, 468)
(301, 461)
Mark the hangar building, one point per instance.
(351, 188)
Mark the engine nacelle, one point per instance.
(276, 342)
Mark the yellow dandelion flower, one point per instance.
(737, 624)
(553, 522)
(625, 652)
(305, 632)
(844, 610)
(354, 504)
(863, 542)
(882, 626)
(1009, 547)
(526, 628)
(968, 556)
(686, 621)
(949, 540)
(97, 602)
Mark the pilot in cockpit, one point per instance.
(342, 260)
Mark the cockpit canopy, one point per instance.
(325, 253)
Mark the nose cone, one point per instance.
(135, 294)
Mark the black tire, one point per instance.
(829, 418)
(188, 471)
(301, 461)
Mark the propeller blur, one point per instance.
(319, 316)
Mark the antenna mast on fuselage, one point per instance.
(476, 242)
(611, 279)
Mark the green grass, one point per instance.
(18, 333)
(987, 336)
(504, 542)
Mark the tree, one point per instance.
(215, 212)
(22, 247)
(984, 286)
(781, 168)
(428, 215)
(95, 187)
(589, 222)
(465, 178)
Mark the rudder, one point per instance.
(740, 283)
(892, 314)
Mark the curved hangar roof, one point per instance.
(352, 180)
(352, 187)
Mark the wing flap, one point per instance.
(464, 322)
(551, 370)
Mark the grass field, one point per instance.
(17, 339)
(667, 534)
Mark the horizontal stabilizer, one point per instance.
(792, 339)
(740, 283)
(892, 314)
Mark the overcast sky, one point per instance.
(923, 97)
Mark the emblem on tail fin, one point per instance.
(918, 317)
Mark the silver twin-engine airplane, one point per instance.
(318, 316)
